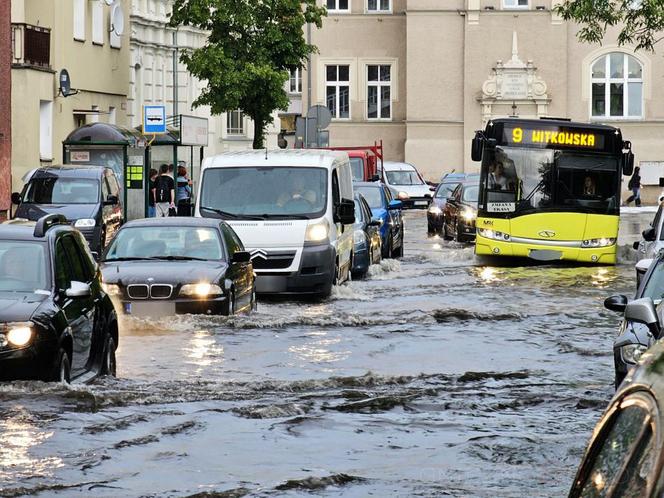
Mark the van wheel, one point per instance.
(61, 369)
(109, 364)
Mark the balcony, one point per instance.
(31, 46)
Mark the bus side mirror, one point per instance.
(628, 163)
(477, 147)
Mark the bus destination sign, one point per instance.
(550, 137)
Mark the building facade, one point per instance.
(423, 75)
(5, 108)
(89, 40)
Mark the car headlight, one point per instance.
(435, 210)
(202, 289)
(468, 215)
(403, 196)
(85, 223)
(19, 334)
(317, 232)
(111, 289)
(493, 234)
(359, 238)
(631, 353)
(605, 242)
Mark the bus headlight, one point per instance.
(468, 215)
(604, 242)
(631, 353)
(317, 232)
(493, 234)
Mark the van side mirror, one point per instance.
(616, 303)
(394, 205)
(643, 311)
(628, 163)
(477, 146)
(112, 200)
(16, 198)
(649, 235)
(241, 257)
(344, 212)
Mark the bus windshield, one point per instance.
(523, 180)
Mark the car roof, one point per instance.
(70, 171)
(175, 221)
(275, 158)
(20, 229)
(396, 166)
(368, 184)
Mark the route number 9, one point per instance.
(517, 135)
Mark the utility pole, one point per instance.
(305, 109)
(175, 72)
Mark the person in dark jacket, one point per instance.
(152, 208)
(635, 186)
(183, 192)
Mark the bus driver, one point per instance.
(497, 179)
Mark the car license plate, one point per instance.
(155, 309)
(421, 203)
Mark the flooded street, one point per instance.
(439, 375)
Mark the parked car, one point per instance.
(388, 210)
(165, 266)
(652, 240)
(634, 338)
(367, 246)
(293, 210)
(448, 183)
(56, 322)
(407, 185)
(87, 196)
(625, 453)
(460, 213)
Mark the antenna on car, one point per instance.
(266, 153)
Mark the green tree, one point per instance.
(640, 21)
(251, 47)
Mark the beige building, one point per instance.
(423, 75)
(88, 38)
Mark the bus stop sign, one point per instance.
(154, 120)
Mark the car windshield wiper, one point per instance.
(284, 217)
(232, 216)
(126, 259)
(177, 258)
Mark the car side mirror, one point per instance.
(16, 198)
(636, 245)
(394, 205)
(112, 200)
(616, 303)
(344, 212)
(78, 290)
(649, 234)
(375, 222)
(241, 257)
(643, 311)
(374, 178)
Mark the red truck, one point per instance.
(364, 161)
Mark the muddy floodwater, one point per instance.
(438, 375)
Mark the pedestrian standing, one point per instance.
(635, 186)
(164, 192)
(152, 209)
(183, 194)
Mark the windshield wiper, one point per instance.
(176, 258)
(232, 216)
(284, 217)
(125, 259)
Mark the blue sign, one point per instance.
(154, 120)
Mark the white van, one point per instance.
(293, 210)
(407, 184)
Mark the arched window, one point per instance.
(617, 86)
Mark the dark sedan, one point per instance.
(625, 454)
(367, 246)
(460, 213)
(165, 266)
(435, 211)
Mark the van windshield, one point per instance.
(56, 190)
(264, 192)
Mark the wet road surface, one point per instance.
(439, 375)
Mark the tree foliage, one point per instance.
(251, 47)
(640, 22)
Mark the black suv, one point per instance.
(88, 196)
(56, 322)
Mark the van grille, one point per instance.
(273, 260)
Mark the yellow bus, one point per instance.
(550, 189)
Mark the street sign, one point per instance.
(154, 120)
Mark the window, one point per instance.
(617, 87)
(379, 91)
(62, 271)
(515, 4)
(79, 19)
(46, 130)
(379, 6)
(338, 5)
(295, 82)
(80, 271)
(337, 91)
(235, 123)
(98, 23)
